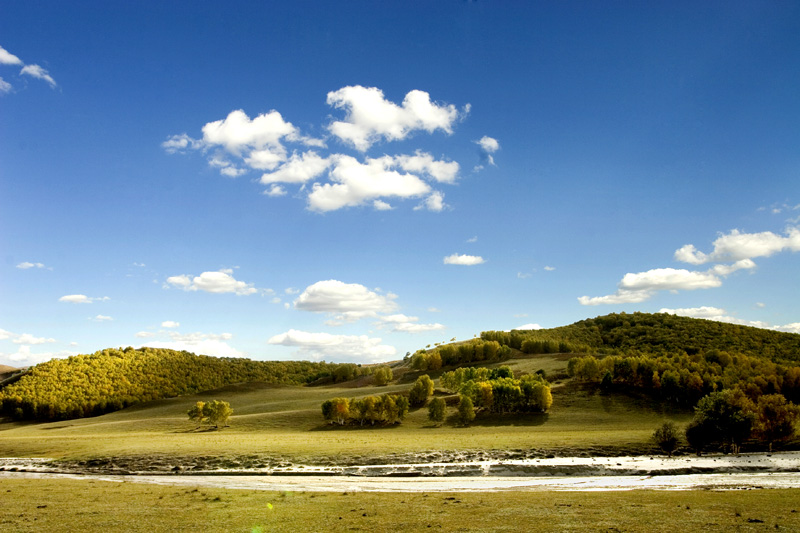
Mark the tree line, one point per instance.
(475, 350)
(497, 391)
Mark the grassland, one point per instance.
(78, 505)
(286, 421)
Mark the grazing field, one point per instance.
(286, 421)
(78, 505)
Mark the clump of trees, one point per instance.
(476, 350)
(421, 391)
(497, 391)
(728, 418)
(683, 379)
(215, 413)
(386, 409)
(110, 380)
(667, 437)
(437, 409)
(382, 375)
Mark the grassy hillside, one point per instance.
(109, 380)
(286, 421)
(622, 333)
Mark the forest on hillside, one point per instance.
(109, 380)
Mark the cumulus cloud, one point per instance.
(38, 72)
(218, 282)
(736, 246)
(27, 338)
(170, 324)
(343, 348)
(370, 117)
(238, 144)
(102, 318)
(463, 259)
(354, 183)
(345, 301)
(7, 58)
(82, 299)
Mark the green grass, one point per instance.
(286, 421)
(87, 505)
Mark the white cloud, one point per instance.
(170, 324)
(473, 239)
(298, 169)
(218, 282)
(145, 334)
(5, 87)
(549, 268)
(790, 328)
(275, 190)
(424, 163)
(463, 259)
(407, 324)
(237, 133)
(102, 318)
(27, 338)
(529, 326)
(7, 58)
(434, 202)
(660, 279)
(24, 357)
(380, 205)
(82, 299)
(370, 117)
(355, 183)
(736, 246)
(38, 72)
(26, 265)
(488, 146)
(350, 348)
(347, 301)
(620, 297)
(181, 143)
(716, 314)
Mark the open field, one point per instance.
(77, 505)
(286, 422)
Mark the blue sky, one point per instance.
(351, 181)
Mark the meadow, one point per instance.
(88, 505)
(286, 421)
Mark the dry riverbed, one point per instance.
(459, 472)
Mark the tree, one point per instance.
(727, 416)
(196, 412)
(699, 434)
(466, 411)
(436, 410)
(775, 418)
(336, 410)
(217, 412)
(383, 375)
(421, 391)
(667, 437)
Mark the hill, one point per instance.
(109, 380)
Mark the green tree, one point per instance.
(775, 418)
(466, 410)
(436, 410)
(382, 375)
(421, 391)
(217, 412)
(667, 437)
(196, 412)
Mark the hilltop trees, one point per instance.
(109, 380)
